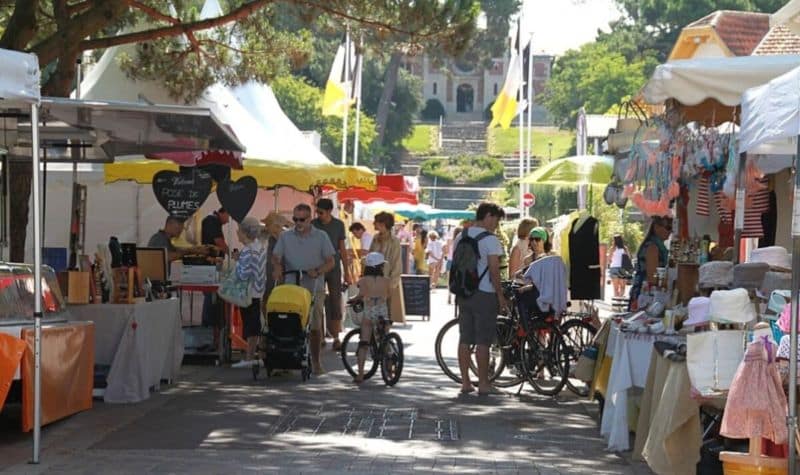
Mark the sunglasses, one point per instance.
(298, 220)
(535, 239)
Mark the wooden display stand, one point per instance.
(736, 463)
(126, 285)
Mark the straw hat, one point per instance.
(749, 275)
(776, 257)
(715, 274)
(731, 306)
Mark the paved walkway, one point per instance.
(218, 420)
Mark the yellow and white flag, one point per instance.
(505, 107)
(338, 90)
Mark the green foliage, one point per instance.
(505, 142)
(593, 77)
(463, 169)
(424, 139)
(433, 110)
(302, 103)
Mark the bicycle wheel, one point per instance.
(578, 335)
(392, 361)
(350, 358)
(503, 373)
(545, 358)
(446, 349)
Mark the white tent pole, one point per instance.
(347, 95)
(360, 63)
(739, 218)
(791, 421)
(37, 285)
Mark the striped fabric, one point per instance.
(758, 204)
(703, 208)
(252, 267)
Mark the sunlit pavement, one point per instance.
(218, 420)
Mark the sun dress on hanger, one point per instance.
(756, 404)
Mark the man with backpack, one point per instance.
(475, 280)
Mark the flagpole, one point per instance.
(347, 95)
(360, 63)
(521, 126)
(530, 102)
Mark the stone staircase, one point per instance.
(464, 138)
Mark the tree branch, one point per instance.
(174, 30)
(153, 13)
(21, 26)
(79, 7)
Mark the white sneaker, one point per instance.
(243, 364)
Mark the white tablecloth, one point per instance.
(143, 344)
(630, 353)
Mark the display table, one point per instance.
(669, 432)
(630, 354)
(142, 343)
(67, 371)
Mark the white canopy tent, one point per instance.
(771, 113)
(19, 86)
(692, 81)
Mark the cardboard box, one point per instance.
(75, 286)
(199, 274)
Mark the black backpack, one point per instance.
(464, 278)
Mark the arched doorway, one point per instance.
(465, 98)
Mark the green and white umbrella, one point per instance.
(572, 171)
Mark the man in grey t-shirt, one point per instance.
(307, 249)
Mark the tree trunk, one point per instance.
(19, 194)
(389, 84)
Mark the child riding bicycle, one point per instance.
(373, 291)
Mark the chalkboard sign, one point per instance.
(417, 294)
(181, 194)
(237, 197)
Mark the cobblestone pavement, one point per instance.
(218, 420)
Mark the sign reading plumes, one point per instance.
(182, 193)
(237, 197)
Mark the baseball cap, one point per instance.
(539, 233)
(374, 259)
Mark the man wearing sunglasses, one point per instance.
(307, 249)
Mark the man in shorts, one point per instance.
(478, 313)
(308, 249)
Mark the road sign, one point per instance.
(528, 200)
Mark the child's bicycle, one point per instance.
(385, 349)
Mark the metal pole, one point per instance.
(521, 127)
(530, 104)
(347, 95)
(441, 124)
(360, 63)
(433, 198)
(739, 218)
(37, 286)
(791, 420)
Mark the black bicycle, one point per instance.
(385, 350)
(529, 349)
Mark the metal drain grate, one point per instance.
(390, 424)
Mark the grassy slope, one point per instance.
(503, 142)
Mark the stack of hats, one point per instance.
(715, 274)
(731, 306)
(776, 257)
(698, 309)
(749, 275)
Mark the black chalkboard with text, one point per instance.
(417, 294)
(181, 193)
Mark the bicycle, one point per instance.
(578, 330)
(385, 349)
(531, 350)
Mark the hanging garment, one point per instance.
(703, 208)
(756, 404)
(769, 221)
(584, 252)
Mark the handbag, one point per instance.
(712, 359)
(235, 291)
(627, 264)
(584, 370)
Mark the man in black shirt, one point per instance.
(211, 229)
(211, 234)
